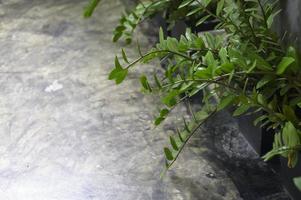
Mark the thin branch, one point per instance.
(158, 51)
(188, 138)
(263, 14)
(221, 19)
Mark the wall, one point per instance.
(289, 20)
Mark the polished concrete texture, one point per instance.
(67, 133)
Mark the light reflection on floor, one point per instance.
(45, 183)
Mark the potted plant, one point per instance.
(246, 66)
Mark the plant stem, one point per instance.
(221, 19)
(263, 14)
(158, 51)
(248, 22)
(189, 136)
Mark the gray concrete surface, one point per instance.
(67, 133)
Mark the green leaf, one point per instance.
(210, 61)
(128, 40)
(227, 67)
(180, 136)
(237, 58)
(253, 66)
(120, 75)
(284, 64)
(292, 52)
(261, 99)
(168, 154)
(120, 28)
(170, 100)
(161, 35)
(297, 182)
(124, 56)
(226, 101)
(202, 20)
(172, 44)
(270, 19)
(289, 113)
(144, 83)
(164, 112)
(206, 2)
(117, 64)
(194, 11)
(201, 115)
(117, 36)
(285, 89)
(223, 54)
(261, 63)
(259, 119)
(197, 89)
(173, 143)
(185, 3)
(210, 40)
(198, 43)
(158, 121)
(290, 135)
(266, 79)
(157, 82)
(203, 73)
(90, 8)
(113, 73)
(186, 126)
(231, 76)
(220, 6)
(293, 159)
(241, 110)
(291, 139)
(188, 34)
(149, 57)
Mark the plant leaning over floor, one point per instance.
(170, 10)
(246, 66)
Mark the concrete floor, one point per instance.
(67, 133)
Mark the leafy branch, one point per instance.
(246, 64)
(182, 139)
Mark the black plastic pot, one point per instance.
(262, 141)
(287, 175)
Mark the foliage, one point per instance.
(246, 66)
(90, 8)
(129, 21)
(297, 182)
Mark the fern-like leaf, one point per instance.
(178, 143)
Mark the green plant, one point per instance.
(168, 9)
(91, 7)
(297, 182)
(247, 67)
